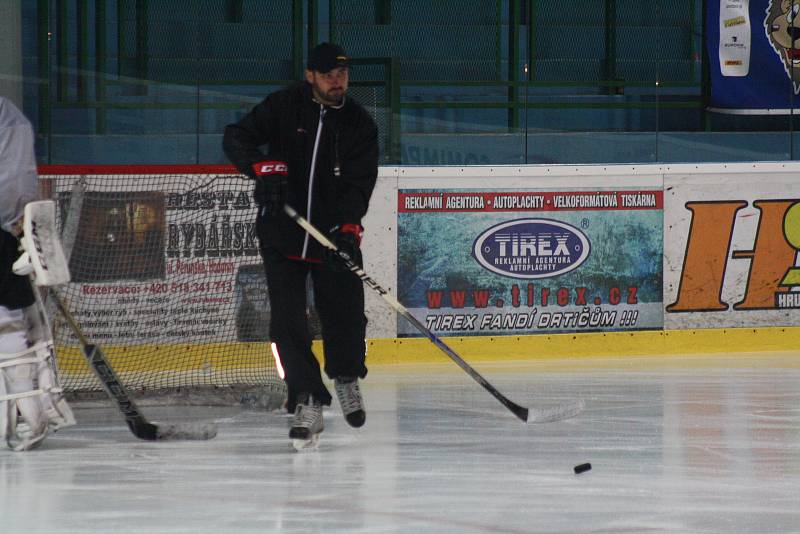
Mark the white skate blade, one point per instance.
(301, 445)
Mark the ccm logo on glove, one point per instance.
(272, 186)
(270, 167)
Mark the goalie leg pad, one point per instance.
(58, 412)
(12, 338)
(31, 428)
(16, 386)
(31, 402)
(56, 409)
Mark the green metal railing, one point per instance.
(511, 62)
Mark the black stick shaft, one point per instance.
(516, 409)
(97, 361)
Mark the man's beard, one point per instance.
(333, 97)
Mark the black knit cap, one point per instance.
(327, 56)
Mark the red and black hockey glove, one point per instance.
(272, 186)
(347, 238)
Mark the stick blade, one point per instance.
(139, 426)
(186, 431)
(183, 431)
(143, 430)
(520, 411)
(556, 413)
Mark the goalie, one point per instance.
(31, 400)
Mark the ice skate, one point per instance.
(350, 400)
(307, 423)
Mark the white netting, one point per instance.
(166, 276)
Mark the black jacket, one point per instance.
(346, 163)
(15, 291)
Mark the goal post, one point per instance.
(167, 277)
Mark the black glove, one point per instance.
(347, 238)
(272, 186)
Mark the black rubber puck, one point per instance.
(582, 468)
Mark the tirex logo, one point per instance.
(531, 248)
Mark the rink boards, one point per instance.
(721, 240)
(553, 261)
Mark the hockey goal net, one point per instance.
(166, 276)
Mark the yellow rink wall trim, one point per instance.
(595, 345)
(177, 357)
(226, 356)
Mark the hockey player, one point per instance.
(322, 159)
(31, 402)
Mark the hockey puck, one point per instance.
(582, 468)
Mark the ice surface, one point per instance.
(684, 444)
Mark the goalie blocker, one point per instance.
(42, 256)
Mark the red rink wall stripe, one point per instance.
(531, 201)
(46, 170)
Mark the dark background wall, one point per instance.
(449, 81)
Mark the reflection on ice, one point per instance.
(682, 445)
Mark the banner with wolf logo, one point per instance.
(754, 56)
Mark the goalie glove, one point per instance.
(272, 186)
(347, 238)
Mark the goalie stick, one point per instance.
(528, 415)
(139, 425)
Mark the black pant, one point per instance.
(339, 301)
(15, 291)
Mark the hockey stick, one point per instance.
(532, 415)
(141, 427)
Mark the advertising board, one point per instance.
(498, 261)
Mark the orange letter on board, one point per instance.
(706, 256)
(770, 258)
